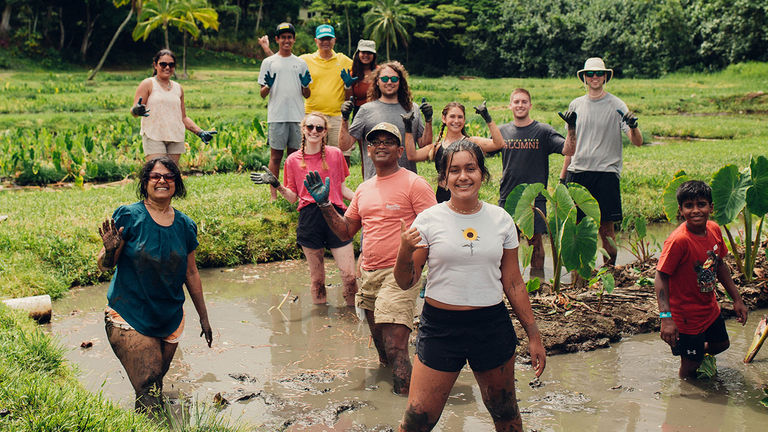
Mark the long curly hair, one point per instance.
(404, 97)
(304, 138)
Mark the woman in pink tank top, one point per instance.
(160, 104)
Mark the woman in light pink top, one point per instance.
(164, 117)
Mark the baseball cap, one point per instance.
(386, 127)
(324, 30)
(366, 46)
(285, 27)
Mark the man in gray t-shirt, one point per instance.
(600, 120)
(391, 96)
(525, 159)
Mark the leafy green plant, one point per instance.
(607, 284)
(573, 243)
(641, 245)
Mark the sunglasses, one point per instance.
(388, 143)
(311, 127)
(394, 79)
(169, 178)
(164, 65)
(590, 74)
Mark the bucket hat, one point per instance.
(595, 64)
(386, 127)
(366, 46)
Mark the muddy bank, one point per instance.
(577, 320)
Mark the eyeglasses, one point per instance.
(388, 143)
(311, 127)
(394, 79)
(164, 65)
(155, 177)
(590, 74)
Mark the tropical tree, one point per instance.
(157, 13)
(135, 7)
(387, 23)
(192, 11)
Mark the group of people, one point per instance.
(470, 247)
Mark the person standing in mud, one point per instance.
(472, 249)
(525, 159)
(379, 205)
(596, 164)
(285, 78)
(153, 246)
(690, 265)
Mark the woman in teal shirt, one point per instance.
(153, 246)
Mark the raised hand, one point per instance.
(206, 136)
(569, 118)
(410, 239)
(269, 79)
(348, 79)
(347, 107)
(318, 189)
(482, 110)
(408, 121)
(265, 178)
(305, 78)
(206, 331)
(426, 110)
(140, 109)
(111, 237)
(629, 118)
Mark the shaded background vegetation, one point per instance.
(512, 38)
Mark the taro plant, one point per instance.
(640, 244)
(607, 284)
(574, 243)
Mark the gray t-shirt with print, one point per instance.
(375, 112)
(598, 134)
(286, 103)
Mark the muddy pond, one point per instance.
(306, 367)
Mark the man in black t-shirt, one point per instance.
(525, 159)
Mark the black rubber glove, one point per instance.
(269, 79)
(570, 118)
(483, 111)
(140, 109)
(426, 110)
(265, 178)
(347, 107)
(629, 118)
(206, 136)
(408, 121)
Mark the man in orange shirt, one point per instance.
(380, 203)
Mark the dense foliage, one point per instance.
(486, 37)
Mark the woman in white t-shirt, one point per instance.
(471, 251)
(163, 115)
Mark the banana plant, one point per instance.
(573, 242)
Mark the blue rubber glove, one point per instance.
(318, 189)
(269, 79)
(305, 79)
(140, 109)
(206, 136)
(629, 118)
(348, 79)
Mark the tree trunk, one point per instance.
(90, 24)
(5, 21)
(62, 33)
(184, 58)
(349, 30)
(109, 47)
(165, 33)
(258, 17)
(237, 18)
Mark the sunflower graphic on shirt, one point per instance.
(470, 234)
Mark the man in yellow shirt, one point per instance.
(331, 81)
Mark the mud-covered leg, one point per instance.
(396, 345)
(498, 389)
(378, 340)
(429, 391)
(316, 274)
(345, 260)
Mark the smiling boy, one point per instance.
(690, 265)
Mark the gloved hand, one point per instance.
(265, 178)
(206, 136)
(563, 181)
(269, 79)
(140, 109)
(347, 107)
(483, 111)
(408, 121)
(629, 118)
(318, 189)
(305, 79)
(569, 117)
(348, 79)
(426, 110)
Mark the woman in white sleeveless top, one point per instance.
(160, 104)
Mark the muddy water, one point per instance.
(305, 367)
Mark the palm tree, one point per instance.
(135, 7)
(386, 23)
(193, 11)
(157, 13)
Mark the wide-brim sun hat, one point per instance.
(386, 127)
(595, 64)
(324, 30)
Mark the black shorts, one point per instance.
(448, 339)
(692, 346)
(605, 187)
(313, 231)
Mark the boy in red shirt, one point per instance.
(690, 265)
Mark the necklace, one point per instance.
(471, 211)
(166, 86)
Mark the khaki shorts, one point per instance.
(334, 127)
(165, 147)
(380, 293)
(112, 317)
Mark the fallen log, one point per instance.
(38, 307)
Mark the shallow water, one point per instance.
(311, 368)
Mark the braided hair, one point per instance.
(304, 138)
(439, 143)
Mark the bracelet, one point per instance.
(665, 314)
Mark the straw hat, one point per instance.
(595, 64)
